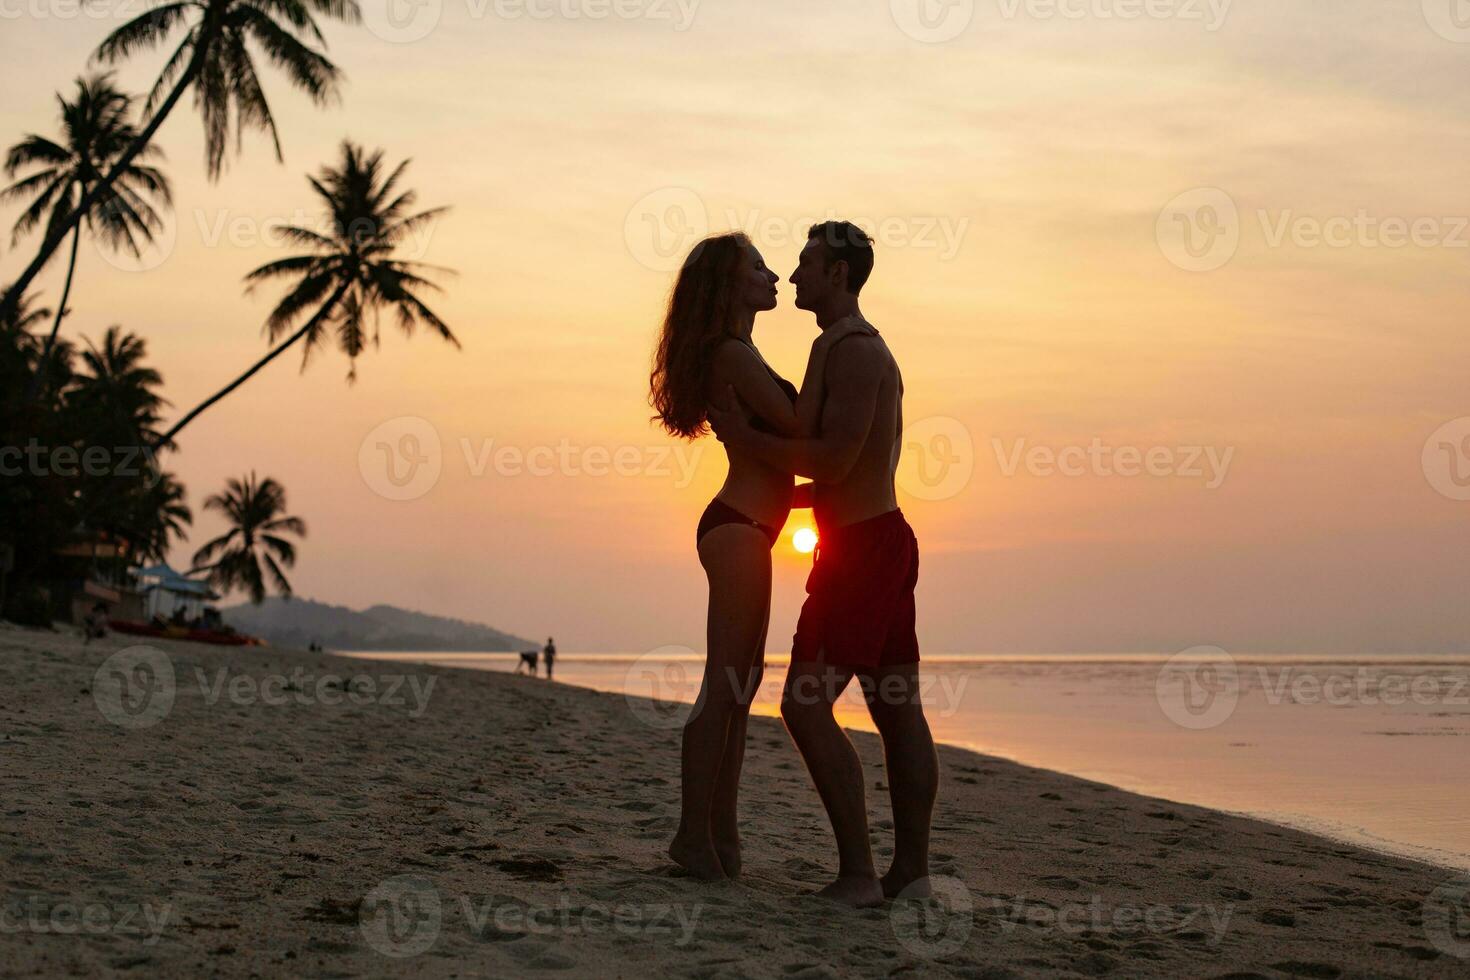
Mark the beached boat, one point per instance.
(217, 637)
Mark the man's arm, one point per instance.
(854, 375)
(813, 386)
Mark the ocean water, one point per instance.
(1372, 750)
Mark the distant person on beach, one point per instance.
(549, 652)
(858, 620)
(706, 348)
(528, 661)
(94, 624)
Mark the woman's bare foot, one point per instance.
(860, 893)
(698, 857)
(907, 884)
(728, 849)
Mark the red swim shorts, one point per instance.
(859, 610)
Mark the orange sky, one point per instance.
(1030, 277)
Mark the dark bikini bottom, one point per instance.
(719, 513)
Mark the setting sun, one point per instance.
(804, 539)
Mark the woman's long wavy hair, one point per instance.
(701, 313)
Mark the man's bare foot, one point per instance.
(910, 885)
(728, 849)
(697, 857)
(860, 893)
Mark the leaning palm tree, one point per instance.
(256, 511)
(96, 130)
(349, 272)
(213, 59)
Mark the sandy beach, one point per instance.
(181, 810)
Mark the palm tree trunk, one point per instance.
(320, 315)
(33, 389)
(57, 235)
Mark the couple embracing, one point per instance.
(842, 430)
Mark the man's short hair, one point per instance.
(843, 241)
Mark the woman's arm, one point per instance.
(739, 367)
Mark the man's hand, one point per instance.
(729, 422)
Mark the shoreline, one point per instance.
(1142, 781)
(283, 829)
(1248, 659)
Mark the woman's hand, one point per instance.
(844, 328)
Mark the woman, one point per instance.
(705, 351)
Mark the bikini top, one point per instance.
(757, 423)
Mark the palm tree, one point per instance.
(213, 59)
(95, 132)
(348, 272)
(18, 348)
(21, 317)
(258, 522)
(159, 515)
(116, 395)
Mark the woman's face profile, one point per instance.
(757, 284)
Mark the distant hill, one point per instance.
(299, 622)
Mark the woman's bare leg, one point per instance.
(737, 562)
(725, 820)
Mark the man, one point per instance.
(549, 652)
(858, 620)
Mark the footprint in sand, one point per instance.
(802, 869)
(1308, 971)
